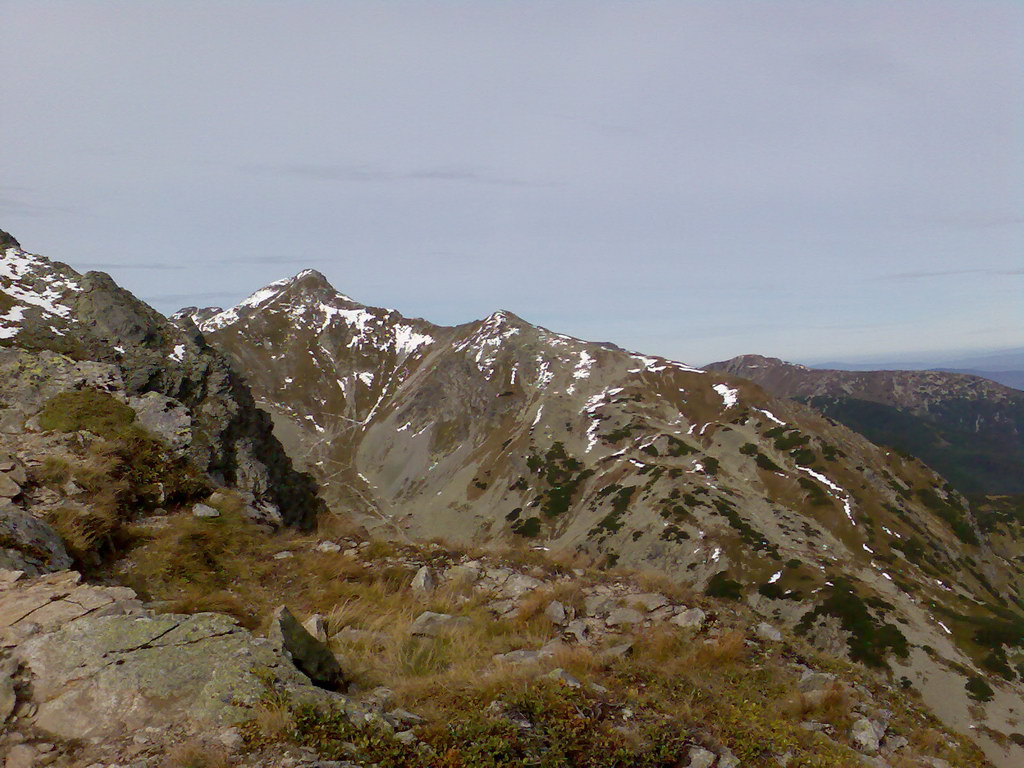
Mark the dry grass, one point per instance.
(831, 705)
(727, 649)
(84, 527)
(54, 471)
(273, 720)
(332, 525)
(656, 581)
(196, 754)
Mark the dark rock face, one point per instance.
(308, 654)
(90, 318)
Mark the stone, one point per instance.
(503, 607)
(624, 616)
(692, 618)
(30, 545)
(598, 605)
(8, 698)
(316, 625)
(619, 650)
(404, 717)
(894, 743)
(578, 629)
(563, 677)
(769, 633)
(815, 681)
(424, 582)
(700, 758)
(231, 739)
(430, 624)
(726, 759)
(165, 417)
(647, 601)
(864, 736)
(8, 488)
(519, 584)
(462, 574)
(283, 555)
(310, 655)
(21, 756)
(96, 677)
(328, 547)
(555, 612)
(406, 737)
(204, 510)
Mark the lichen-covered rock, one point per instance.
(165, 417)
(98, 676)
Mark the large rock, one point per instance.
(165, 417)
(691, 618)
(7, 695)
(306, 652)
(424, 582)
(864, 735)
(8, 487)
(28, 544)
(96, 677)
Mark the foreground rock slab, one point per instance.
(99, 666)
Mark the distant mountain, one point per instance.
(1011, 359)
(1013, 379)
(500, 430)
(969, 429)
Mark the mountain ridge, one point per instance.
(498, 429)
(969, 428)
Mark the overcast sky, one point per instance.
(812, 180)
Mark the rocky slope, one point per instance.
(61, 331)
(968, 428)
(457, 659)
(499, 428)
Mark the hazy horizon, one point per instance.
(805, 180)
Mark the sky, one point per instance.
(808, 180)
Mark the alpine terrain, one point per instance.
(307, 532)
(499, 429)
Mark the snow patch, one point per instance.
(729, 396)
(771, 416)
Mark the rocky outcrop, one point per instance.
(84, 662)
(63, 330)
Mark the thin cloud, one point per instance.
(25, 208)
(105, 266)
(270, 260)
(923, 274)
(365, 173)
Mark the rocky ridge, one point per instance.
(61, 330)
(968, 428)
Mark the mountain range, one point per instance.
(499, 428)
(317, 409)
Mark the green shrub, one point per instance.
(87, 409)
